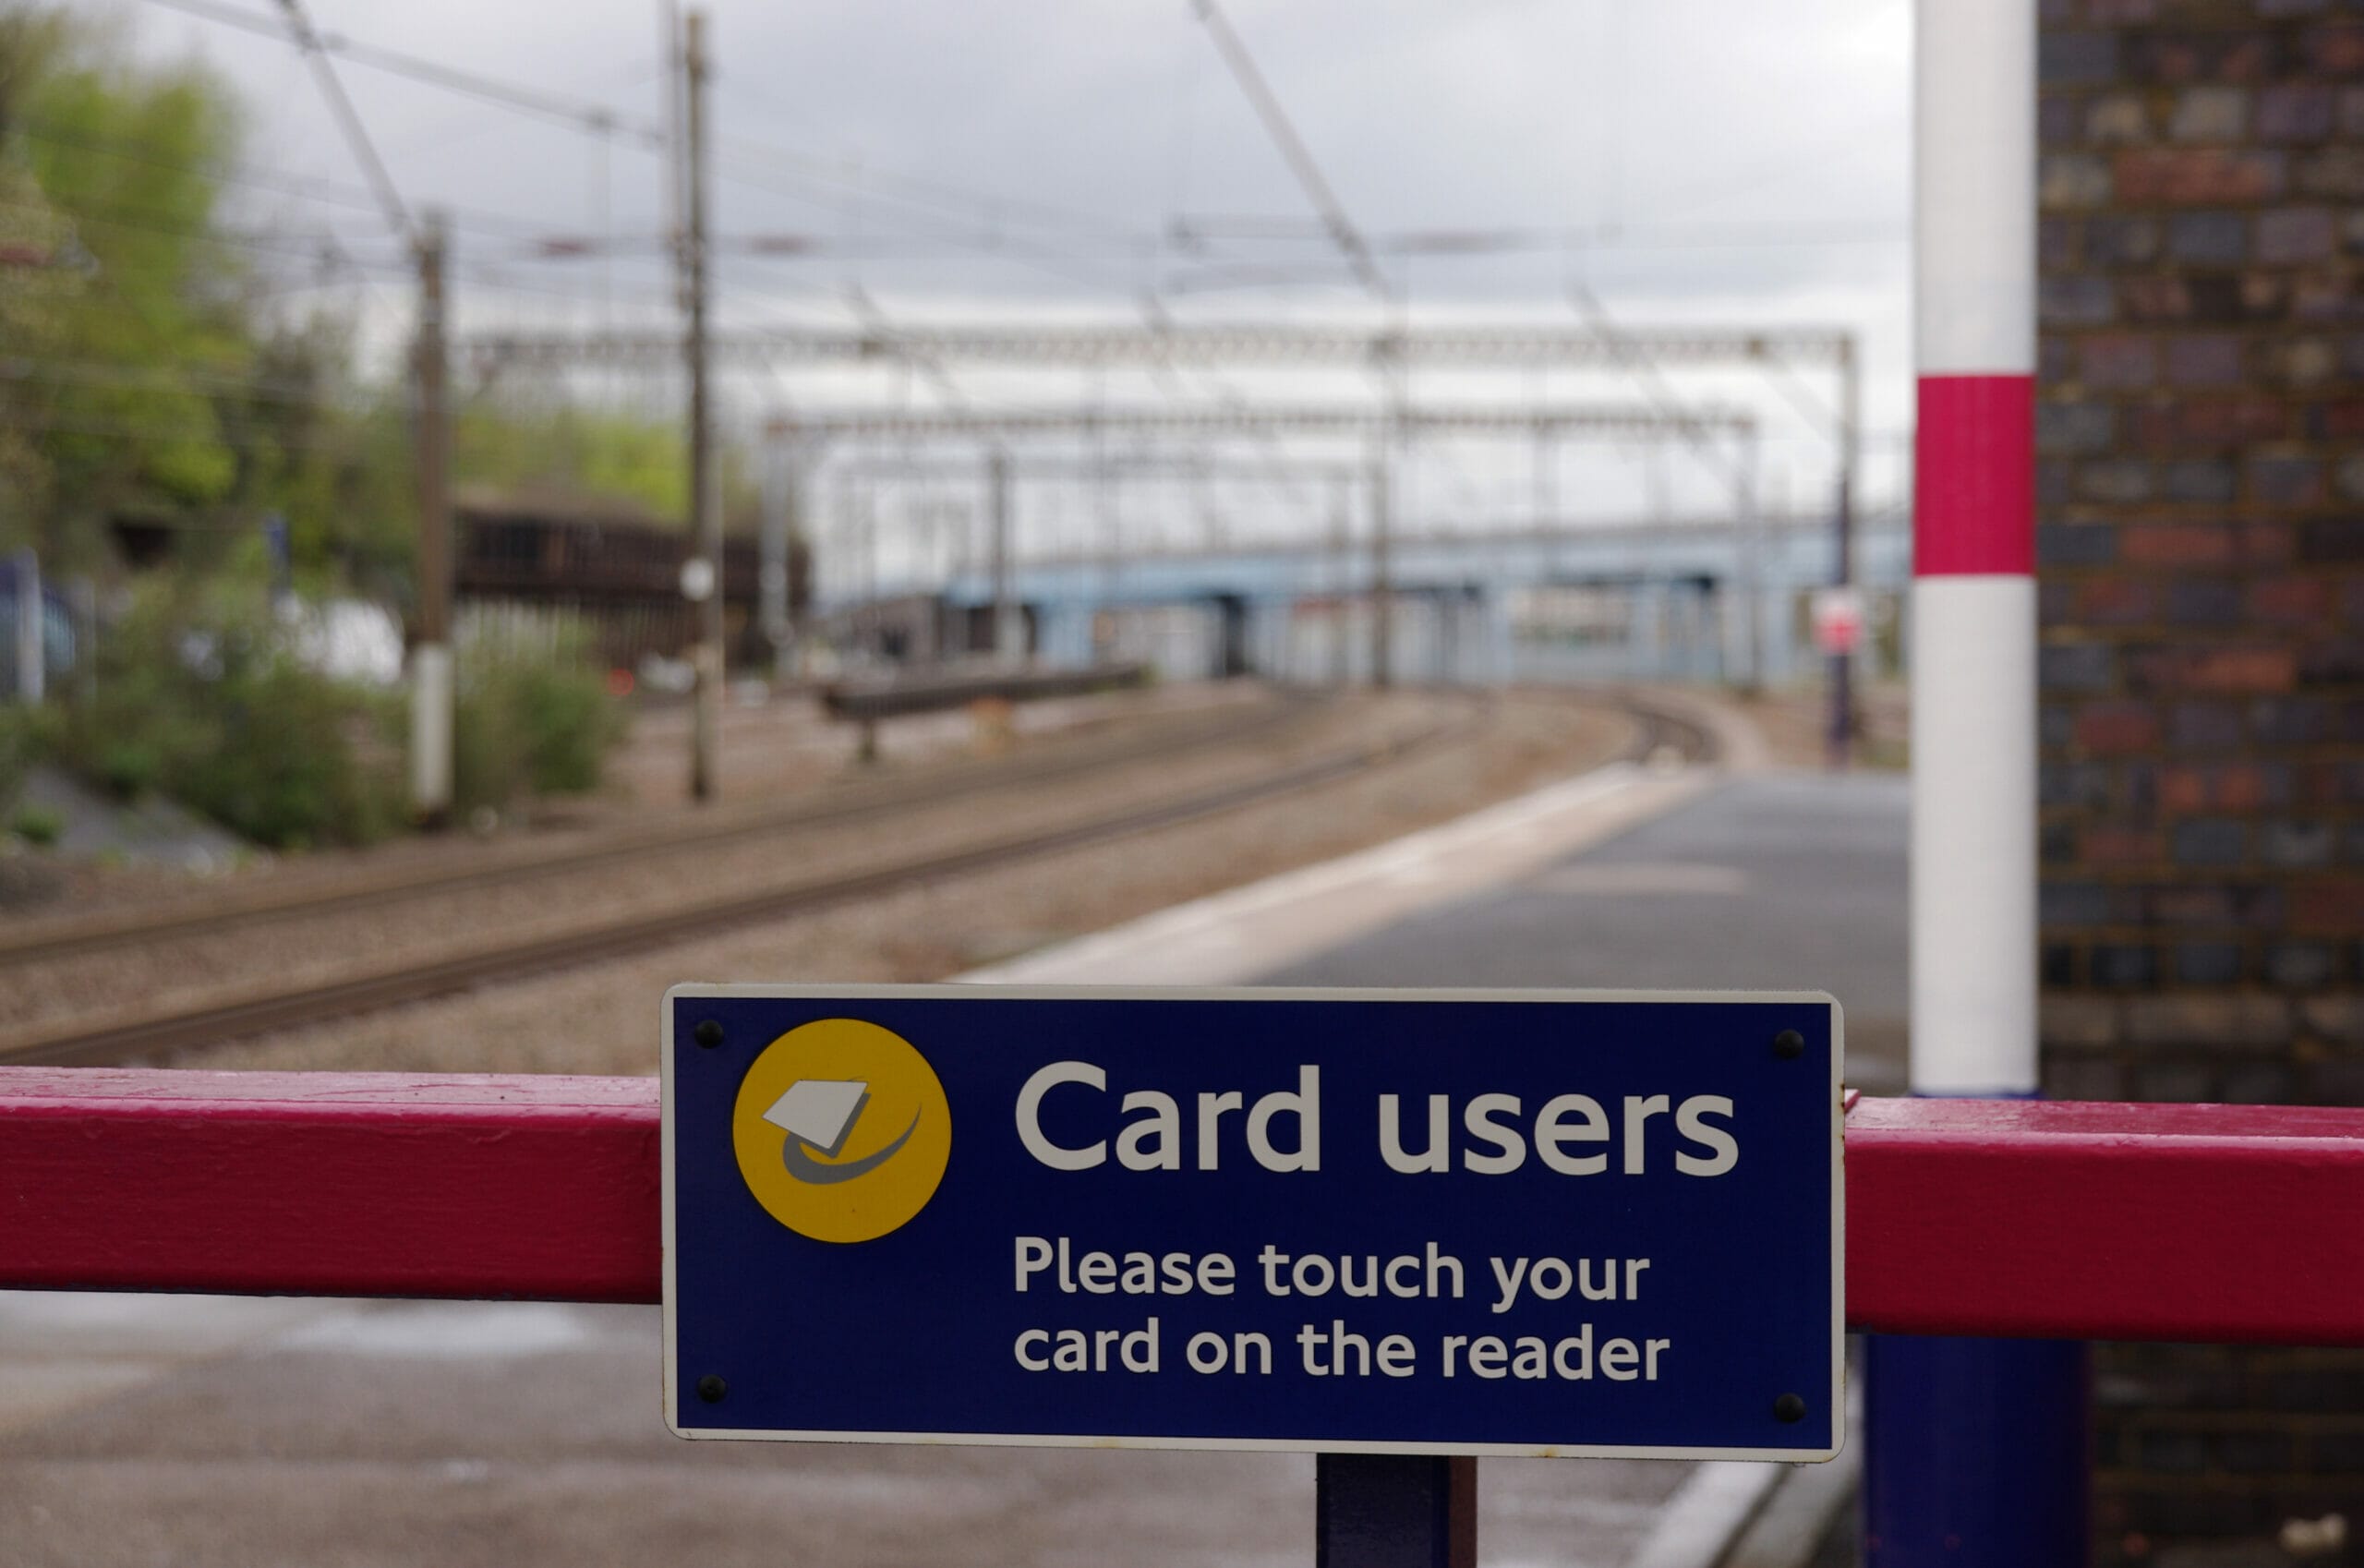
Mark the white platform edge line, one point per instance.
(1705, 1514)
(1379, 860)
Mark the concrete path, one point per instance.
(213, 1432)
(1777, 881)
(1233, 937)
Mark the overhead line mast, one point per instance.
(703, 579)
(433, 686)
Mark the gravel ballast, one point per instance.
(602, 1019)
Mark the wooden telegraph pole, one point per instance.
(431, 682)
(1842, 661)
(702, 577)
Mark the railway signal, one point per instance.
(1838, 621)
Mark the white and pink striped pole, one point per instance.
(1974, 591)
(1976, 1448)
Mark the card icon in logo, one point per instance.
(819, 1111)
(818, 1117)
(842, 1131)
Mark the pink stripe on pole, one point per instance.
(1974, 494)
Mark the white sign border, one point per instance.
(1835, 1396)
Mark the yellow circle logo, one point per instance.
(842, 1131)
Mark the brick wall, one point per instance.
(2200, 545)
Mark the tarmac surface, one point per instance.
(206, 1430)
(1783, 882)
(199, 1432)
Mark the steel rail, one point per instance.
(87, 1042)
(131, 927)
(104, 1041)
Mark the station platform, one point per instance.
(1630, 878)
(381, 1434)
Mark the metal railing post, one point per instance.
(1394, 1511)
(1977, 1455)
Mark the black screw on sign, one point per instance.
(1789, 1045)
(708, 1033)
(711, 1388)
(1394, 1511)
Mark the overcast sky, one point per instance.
(1709, 161)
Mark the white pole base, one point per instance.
(430, 727)
(1973, 836)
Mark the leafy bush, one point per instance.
(534, 716)
(38, 825)
(27, 735)
(203, 696)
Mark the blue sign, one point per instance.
(1515, 1222)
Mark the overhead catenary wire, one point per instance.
(745, 160)
(326, 192)
(592, 117)
(766, 175)
(1050, 240)
(1192, 231)
(1298, 157)
(579, 113)
(329, 245)
(993, 207)
(327, 250)
(147, 220)
(177, 379)
(1647, 376)
(784, 171)
(242, 437)
(326, 246)
(357, 136)
(1352, 245)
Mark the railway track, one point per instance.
(163, 1032)
(222, 912)
(1662, 735)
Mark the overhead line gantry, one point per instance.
(1234, 345)
(815, 431)
(1612, 422)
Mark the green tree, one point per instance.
(37, 284)
(121, 400)
(549, 443)
(330, 454)
(151, 374)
